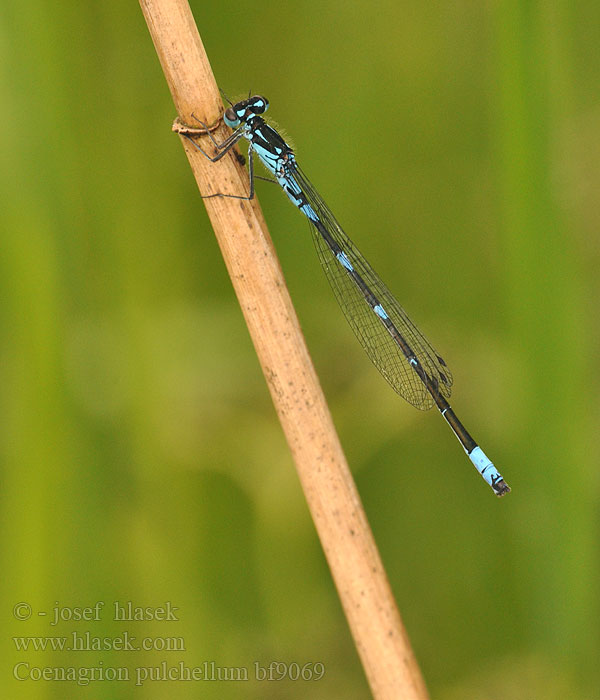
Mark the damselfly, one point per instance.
(395, 345)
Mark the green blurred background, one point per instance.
(458, 144)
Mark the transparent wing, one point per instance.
(379, 345)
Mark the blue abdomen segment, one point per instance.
(295, 194)
(343, 260)
(485, 467)
(380, 311)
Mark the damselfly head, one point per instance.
(244, 110)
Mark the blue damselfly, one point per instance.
(395, 345)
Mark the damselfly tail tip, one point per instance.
(488, 471)
(501, 488)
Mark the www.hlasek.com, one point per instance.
(207, 671)
(86, 641)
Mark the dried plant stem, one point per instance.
(331, 494)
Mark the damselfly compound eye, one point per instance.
(231, 118)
